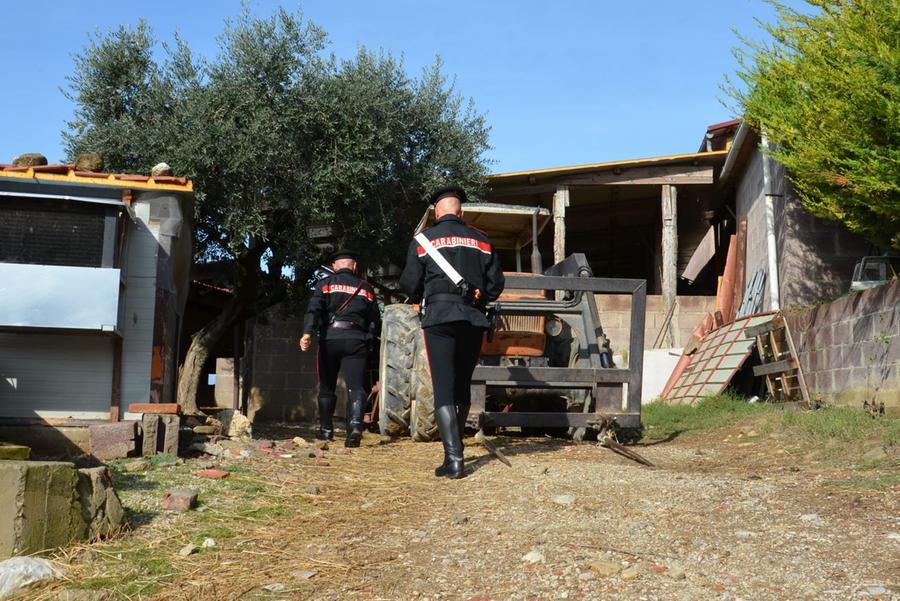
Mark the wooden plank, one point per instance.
(740, 276)
(560, 202)
(670, 255)
(677, 174)
(801, 378)
(778, 367)
(763, 328)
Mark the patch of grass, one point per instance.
(843, 424)
(831, 424)
(877, 482)
(662, 421)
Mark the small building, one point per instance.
(94, 275)
(799, 258)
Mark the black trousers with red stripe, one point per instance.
(453, 350)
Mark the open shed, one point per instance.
(640, 218)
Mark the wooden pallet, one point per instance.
(778, 361)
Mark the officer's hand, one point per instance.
(305, 342)
(478, 294)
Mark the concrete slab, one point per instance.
(47, 504)
(39, 507)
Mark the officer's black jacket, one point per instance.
(471, 253)
(329, 294)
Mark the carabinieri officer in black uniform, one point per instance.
(344, 314)
(454, 320)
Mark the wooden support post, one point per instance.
(560, 202)
(669, 256)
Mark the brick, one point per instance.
(180, 500)
(173, 408)
(113, 440)
(212, 474)
(863, 328)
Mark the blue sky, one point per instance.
(563, 82)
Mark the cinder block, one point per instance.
(863, 328)
(170, 425)
(300, 381)
(840, 332)
(114, 440)
(150, 434)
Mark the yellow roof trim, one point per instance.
(611, 165)
(109, 180)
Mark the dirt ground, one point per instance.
(724, 515)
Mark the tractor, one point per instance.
(548, 367)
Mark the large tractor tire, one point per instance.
(400, 331)
(422, 425)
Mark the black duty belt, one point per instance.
(345, 325)
(446, 298)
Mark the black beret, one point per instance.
(343, 254)
(445, 191)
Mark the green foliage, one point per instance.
(662, 421)
(838, 425)
(826, 91)
(276, 136)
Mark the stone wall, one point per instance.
(615, 316)
(849, 349)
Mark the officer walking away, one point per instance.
(344, 315)
(453, 270)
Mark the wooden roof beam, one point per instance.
(672, 175)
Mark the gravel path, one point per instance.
(717, 519)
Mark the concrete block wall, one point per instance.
(849, 349)
(751, 204)
(815, 257)
(282, 383)
(615, 316)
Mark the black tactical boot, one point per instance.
(453, 466)
(462, 414)
(354, 421)
(326, 413)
